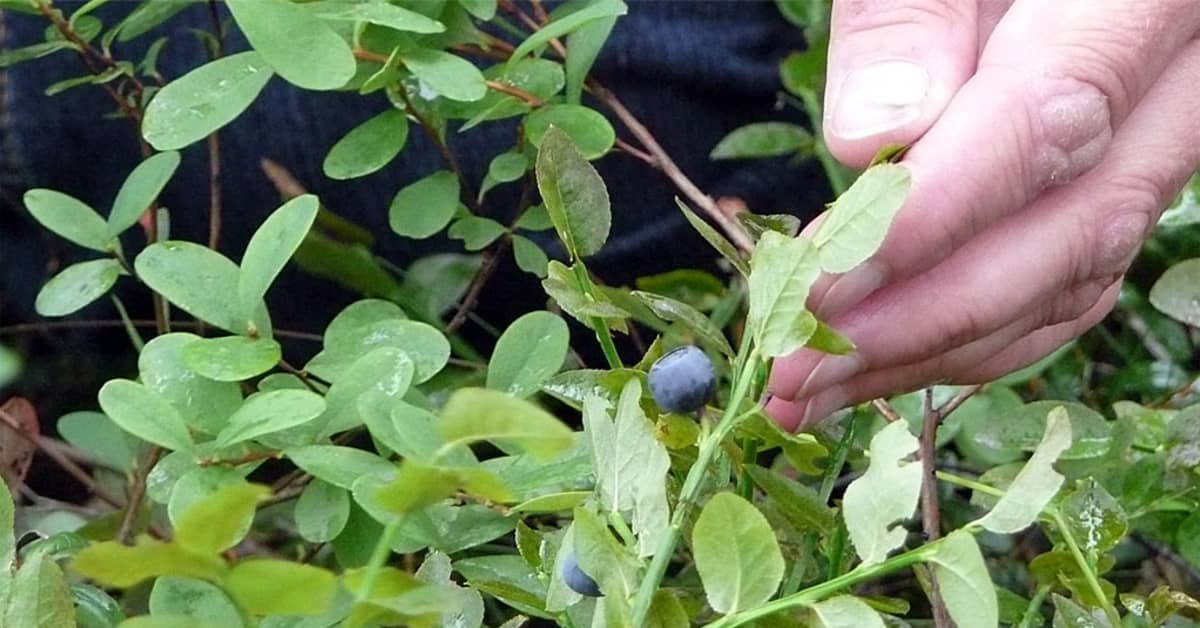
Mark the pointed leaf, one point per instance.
(205, 99)
(270, 249)
(860, 218)
(688, 317)
(782, 272)
(1036, 484)
(574, 194)
(718, 241)
(141, 187)
(763, 139)
(476, 232)
(567, 24)
(115, 565)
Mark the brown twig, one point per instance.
(889, 413)
(512, 9)
(930, 515)
(663, 162)
(505, 88)
(490, 263)
(442, 147)
(253, 456)
(26, 328)
(948, 408)
(214, 143)
(56, 454)
(137, 492)
(640, 154)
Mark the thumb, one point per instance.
(894, 65)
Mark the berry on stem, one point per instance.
(578, 581)
(682, 380)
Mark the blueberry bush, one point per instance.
(416, 479)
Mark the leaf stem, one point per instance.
(603, 333)
(383, 549)
(1085, 567)
(819, 592)
(833, 170)
(709, 447)
(1034, 607)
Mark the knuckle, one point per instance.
(865, 16)
(1069, 128)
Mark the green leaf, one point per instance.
(1185, 209)
(964, 583)
(1036, 484)
(143, 413)
(422, 343)
(859, 219)
(736, 554)
(205, 99)
(381, 14)
(198, 483)
(1176, 293)
(301, 48)
(688, 317)
(425, 207)
(504, 168)
(322, 512)
(450, 76)
(574, 194)
(630, 464)
(9, 58)
(591, 132)
(418, 485)
(436, 283)
(264, 586)
(567, 24)
(203, 403)
(530, 257)
(799, 503)
(528, 354)
(232, 358)
(10, 365)
(475, 414)
(141, 187)
(758, 224)
(340, 466)
(1022, 427)
(827, 340)
(562, 285)
(845, 611)
(718, 241)
(220, 520)
(94, 608)
(615, 569)
(886, 494)
(535, 218)
(552, 503)
(476, 232)
(146, 16)
(198, 281)
(270, 248)
(583, 46)
(268, 412)
(40, 596)
(77, 286)
(1094, 517)
(374, 383)
(201, 601)
(782, 272)
(370, 145)
(70, 218)
(763, 139)
(112, 564)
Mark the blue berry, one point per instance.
(578, 581)
(682, 380)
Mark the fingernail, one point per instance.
(847, 290)
(830, 371)
(824, 405)
(879, 97)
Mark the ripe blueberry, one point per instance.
(682, 380)
(578, 581)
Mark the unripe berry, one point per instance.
(578, 581)
(682, 380)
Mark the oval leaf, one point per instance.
(232, 358)
(69, 218)
(476, 414)
(528, 353)
(450, 76)
(270, 249)
(964, 583)
(141, 187)
(322, 512)
(368, 146)
(198, 103)
(688, 317)
(592, 133)
(144, 414)
(1177, 292)
(197, 280)
(782, 272)
(300, 47)
(268, 412)
(763, 139)
(425, 207)
(736, 554)
(77, 286)
(860, 218)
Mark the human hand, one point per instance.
(1046, 139)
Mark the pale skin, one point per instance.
(1046, 138)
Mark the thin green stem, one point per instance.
(833, 170)
(383, 549)
(1085, 567)
(709, 447)
(958, 480)
(127, 323)
(819, 592)
(1035, 606)
(603, 334)
(838, 459)
(749, 456)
